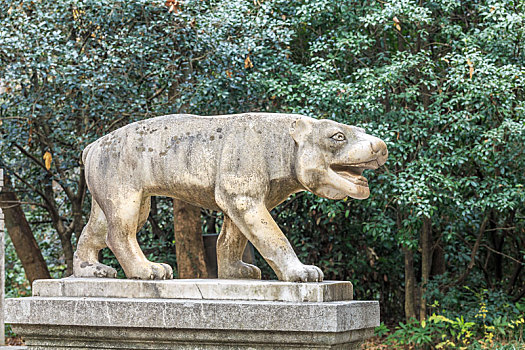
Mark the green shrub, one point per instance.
(441, 332)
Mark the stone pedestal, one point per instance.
(2, 266)
(191, 314)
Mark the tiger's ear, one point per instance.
(300, 129)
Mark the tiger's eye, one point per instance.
(339, 137)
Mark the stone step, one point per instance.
(203, 289)
(79, 323)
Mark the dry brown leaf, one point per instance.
(47, 160)
(470, 68)
(248, 62)
(30, 138)
(173, 6)
(397, 23)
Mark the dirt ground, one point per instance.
(14, 341)
(374, 344)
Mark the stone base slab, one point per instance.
(82, 338)
(115, 323)
(209, 289)
(123, 314)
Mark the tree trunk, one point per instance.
(152, 218)
(63, 231)
(426, 264)
(498, 240)
(67, 248)
(439, 265)
(22, 237)
(189, 246)
(410, 284)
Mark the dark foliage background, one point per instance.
(440, 81)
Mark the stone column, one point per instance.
(2, 267)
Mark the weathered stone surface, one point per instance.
(194, 314)
(243, 165)
(2, 266)
(116, 323)
(211, 289)
(83, 338)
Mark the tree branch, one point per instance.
(503, 254)
(474, 251)
(49, 205)
(33, 158)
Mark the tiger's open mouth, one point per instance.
(351, 173)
